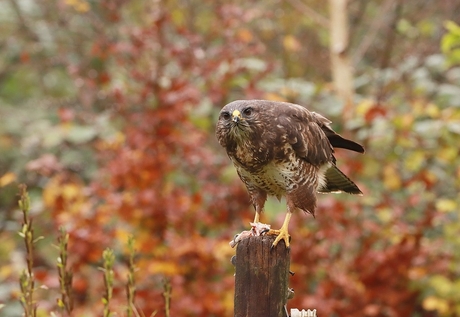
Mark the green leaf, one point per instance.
(452, 27)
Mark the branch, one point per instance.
(375, 27)
(391, 35)
(22, 22)
(309, 12)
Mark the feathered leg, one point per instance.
(258, 200)
(303, 198)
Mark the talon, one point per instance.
(259, 228)
(264, 231)
(241, 236)
(282, 234)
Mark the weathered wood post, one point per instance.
(261, 278)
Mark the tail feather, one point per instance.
(336, 181)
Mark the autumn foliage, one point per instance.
(114, 136)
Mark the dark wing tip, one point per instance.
(338, 141)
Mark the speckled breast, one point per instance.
(277, 178)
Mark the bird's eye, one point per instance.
(226, 115)
(247, 111)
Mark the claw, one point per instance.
(257, 229)
(264, 231)
(281, 234)
(239, 237)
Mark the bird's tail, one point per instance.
(336, 181)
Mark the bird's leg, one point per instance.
(257, 216)
(282, 234)
(258, 199)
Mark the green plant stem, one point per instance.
(167, 289)
(26, 279)
(65, 276)
(131, 285)
(108, 259)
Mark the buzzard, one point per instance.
(282, 149)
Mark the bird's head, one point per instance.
(237, 120)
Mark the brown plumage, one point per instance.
(282, 149)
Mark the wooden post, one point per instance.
(261, 278)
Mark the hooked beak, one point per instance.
(236, 116)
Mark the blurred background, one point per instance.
(107, 113)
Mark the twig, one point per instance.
(108, 259)
(27, 279)
(391, 35)
(374, 28)
(131, 285)
(65, 303)
(309, 12)
(167, 289)
(22, 21)
(388, 48)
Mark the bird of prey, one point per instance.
(283, 149)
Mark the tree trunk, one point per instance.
(342, 69)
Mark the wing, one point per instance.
(335, 139)
(306, 136)
(313, 140)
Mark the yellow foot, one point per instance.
(281, 234)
